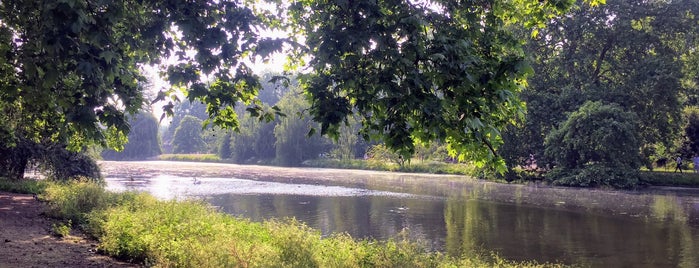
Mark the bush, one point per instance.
(73, 201)
(595, 175)
(597, 145)
(60, 164)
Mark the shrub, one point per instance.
(73, 201)
(597, 145)
(61, 229)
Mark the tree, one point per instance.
(187, 138)
(419, 71)
(597, 145)
(429, 70)
(78, 61)
(224, 149)
(293, 144)
(143, 140)
(635, 54)
(690, 139)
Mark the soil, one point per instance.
(26, 239)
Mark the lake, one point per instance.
(655, 227)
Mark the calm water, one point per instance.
(652, 228)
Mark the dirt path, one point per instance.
(25, 239)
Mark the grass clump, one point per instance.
(140, 228)
(61, 229)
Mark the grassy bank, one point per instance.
(191, 158)
(139, 228)
(665, 178)
(414, 166)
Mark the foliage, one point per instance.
(597, 145)
(61, 229)
(143, 142)
(26, 186)
(293, 142)
(690, 137)
(382, 153)
(437, 70)
(58, 163)
(182, 109)
(348, 145)
(70, 67)
(74, 200)
(14, 158)
(432, 167)
(660, 178)
(634, 54)
(224, 147)
(142, 229)
(187, 137)
(190, 157)
(254, 141)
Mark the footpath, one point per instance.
(26, 240)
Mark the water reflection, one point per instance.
(586, 227)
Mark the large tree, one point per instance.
(293, 145)
(187, 137)
(446, 70)
(79, 61)
(635, 54)
(419, 70)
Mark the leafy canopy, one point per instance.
(76, 64)
(414, 70)
(419, 70)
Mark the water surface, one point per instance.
(454, 214)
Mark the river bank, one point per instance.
(648, 202)
(144, 230)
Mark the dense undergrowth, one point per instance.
(140, 228)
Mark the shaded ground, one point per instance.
(26, 240)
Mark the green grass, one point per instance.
(665, 178)
(140, 228)
(23, 186)
(191, 157)
(414, 166)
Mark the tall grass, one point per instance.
(140, 228)
(28, 186)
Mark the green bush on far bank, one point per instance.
(139, 228)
